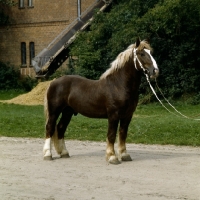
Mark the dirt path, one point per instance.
(156, 172)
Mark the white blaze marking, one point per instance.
(154, 62)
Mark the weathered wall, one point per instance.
(40, 24)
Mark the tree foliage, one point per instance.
(173, 28)
(4, 5)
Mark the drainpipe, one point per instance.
(79, 10)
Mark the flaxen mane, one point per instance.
(123, 57)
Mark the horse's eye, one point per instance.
(142, 54)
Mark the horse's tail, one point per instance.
(46, 110)
(54, 137)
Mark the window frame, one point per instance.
(30, 3)
(23, 54)
(21, 4)
(31, 52)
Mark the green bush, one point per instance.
(27, 83)
(172, 27)
(10, 79)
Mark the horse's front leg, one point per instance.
(47, 155)
(111, 136)
(124, 123)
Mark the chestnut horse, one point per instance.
(114, 97)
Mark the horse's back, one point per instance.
(83, 95)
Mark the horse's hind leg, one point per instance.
(124, 123)
(111, 136)
(59, 142)
(50, 129)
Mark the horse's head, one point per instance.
(143, 59)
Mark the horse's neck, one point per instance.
(132, 77)
(126, 77)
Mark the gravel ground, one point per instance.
(156, 172)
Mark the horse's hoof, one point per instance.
(113, 160)
(48, 158)
(65, 156)
(126, 157)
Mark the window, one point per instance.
(23, 53)
(30, 3)
(21, 3)
(31, 51)
(79, 9)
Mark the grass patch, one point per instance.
(21, 121)
(151, 124)
(5, 95)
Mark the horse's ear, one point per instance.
(147, 40)
(137, 42)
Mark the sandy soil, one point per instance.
(34, 97)
(156, 172)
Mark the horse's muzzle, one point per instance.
(155, 73)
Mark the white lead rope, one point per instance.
(157, 96)
(167, 101)
(172, 105)
(147, 77)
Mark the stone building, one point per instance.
(34, 24)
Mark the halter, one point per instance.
(137, 59)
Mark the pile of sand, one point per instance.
(34, 97)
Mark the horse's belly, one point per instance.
(93, 113)
(89, 109)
